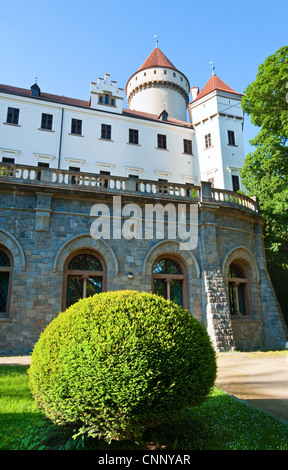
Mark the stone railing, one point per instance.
(118, 184)
(229, 197)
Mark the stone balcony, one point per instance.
(52, 178)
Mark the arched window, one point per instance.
(169, 281)
(238, 290)
(6, 266)
(85, 275)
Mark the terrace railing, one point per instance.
(203, 192)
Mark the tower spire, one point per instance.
(213, 68)
(156, 40)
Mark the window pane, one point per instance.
(160, 287)
(232, 298)
(161, 141)
(76, 126)
(235, 271)
(106, 131)
(176, 292)
(85, 262)
(94, 286)
(241, 298)
(74, 290)
(235, 183)
(231, 138)
(167, 266)
(4, 284)
(13, 115)
(4, 259)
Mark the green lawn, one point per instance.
(221, 423)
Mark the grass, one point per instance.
(220, 423)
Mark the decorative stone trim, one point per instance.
(86, 241)
(158, 84)
(169, 246)
(10, 242)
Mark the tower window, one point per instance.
(76, 126)
(235, 183)
(13, 115)
(133, 136)
(231, 138)
(208, 141)
(161, 141)
(187, 146)
(106, 131)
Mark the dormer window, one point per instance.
(35, 90)
(164, 115)
(107, 99)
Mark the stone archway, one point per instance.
(85, 241)
(16, 250)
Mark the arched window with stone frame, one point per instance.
(169, 280)
(6, 269)
(239, 289)
(85, 274)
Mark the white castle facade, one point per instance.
(151, 139)
(60, 156)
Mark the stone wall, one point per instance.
(42, 226)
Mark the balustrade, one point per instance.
(109, 183)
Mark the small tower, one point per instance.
(157, 86)
(217, 118)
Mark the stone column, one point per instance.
(275, 328)
(218, 321)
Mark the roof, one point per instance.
(156, 117)
(214, 83)
(44, 96)
(157, 59)
(86, 104)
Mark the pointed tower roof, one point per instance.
(157, 59)
(214, 83)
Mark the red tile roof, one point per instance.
(214, 83)
(155, 117)
(85, 104)
(44, 96)
(157, 59)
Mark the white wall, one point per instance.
(89, 151)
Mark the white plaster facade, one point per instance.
(27, 142)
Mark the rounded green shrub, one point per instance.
(117, 363)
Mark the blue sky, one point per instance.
(67, 44)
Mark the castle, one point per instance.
(66, 161)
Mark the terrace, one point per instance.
(21, 175)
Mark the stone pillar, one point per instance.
(218, 321)
(275, 328)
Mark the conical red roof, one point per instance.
(157, 59)
(214, 83)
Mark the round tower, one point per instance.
(157, 86)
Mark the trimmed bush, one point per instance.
(117, 363)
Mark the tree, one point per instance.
(265, 172)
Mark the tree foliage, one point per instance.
(265, 172)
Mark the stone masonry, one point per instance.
(43, 222)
